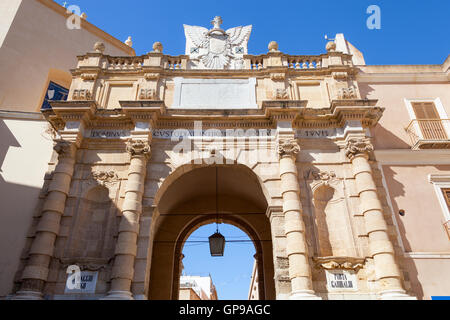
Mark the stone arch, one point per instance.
(201, 221)
(185, 168)
(186, 200)
(332, 224)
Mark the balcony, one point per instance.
(429, 134)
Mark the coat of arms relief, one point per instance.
(216, 48)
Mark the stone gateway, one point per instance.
(132, 176)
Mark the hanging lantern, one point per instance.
(217, 245)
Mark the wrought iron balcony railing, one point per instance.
(429, 134)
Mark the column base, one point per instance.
(119, 295)
(304, 295)
(28, 295)
(395, 295)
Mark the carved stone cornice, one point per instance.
(138, 148)
(65, 149)
(339, 263)
(358, 146)
(288, 147)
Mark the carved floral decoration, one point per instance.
(339, 263)
(347, 93)
(288, 148)
(83, 94)
(105, 177)
(147, 94)
(357, 147)
(321, 175)
(138, 148)
(64, 148)
(281, 94)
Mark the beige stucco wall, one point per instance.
(31, 48)
(421, 229)
(25, 151)
(408, 189)
(8, 10)
(390, 132)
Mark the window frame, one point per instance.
(441, 182)
(439, 108)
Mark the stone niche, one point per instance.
(215, 94)
(332, 223)
(93, 226)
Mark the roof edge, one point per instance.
(90, 27)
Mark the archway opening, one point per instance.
(223, 278)
(188, 200)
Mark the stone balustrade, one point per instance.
(303, 62)
(124, 63)
(251, 62)
(175, 63)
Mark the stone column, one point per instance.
(380, 247)
(126, 247)
(280, 259)
(36, 270)
(296, 245)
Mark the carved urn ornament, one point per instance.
(331, 46)
(99, 47)
(273, 46)
(158, 47)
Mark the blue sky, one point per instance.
(231, 273)
(412, 32)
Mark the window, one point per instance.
(442, 186)
(446, 193)
(54, 92)
(429, 121)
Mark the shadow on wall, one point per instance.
(385, 139)
(396, 190)
(7, 140)
(15, 216)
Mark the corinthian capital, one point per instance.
(357, 147)
(138, 148)
(288, 147)
(65, 149)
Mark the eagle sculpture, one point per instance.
(217, 48)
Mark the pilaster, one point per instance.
(126, 247)
(381, 249)
(296, 245)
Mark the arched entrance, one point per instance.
(187, 200)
